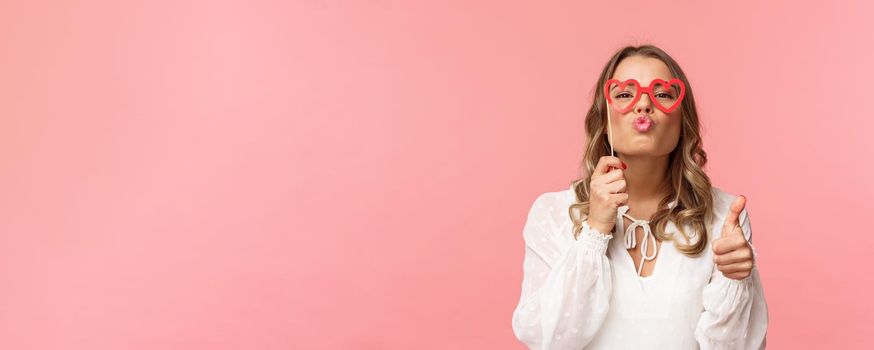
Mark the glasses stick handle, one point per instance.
(609, 129)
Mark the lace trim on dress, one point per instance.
(594, 237)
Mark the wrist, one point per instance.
(603, 229)
(591, 238)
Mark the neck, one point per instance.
(645, 177)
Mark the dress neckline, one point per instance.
(631, 240)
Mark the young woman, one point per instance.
(681, 273)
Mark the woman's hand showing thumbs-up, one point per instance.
(731, 252)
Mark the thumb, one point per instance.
(731, 220)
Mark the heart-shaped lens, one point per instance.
(667, 95)
(622, 95)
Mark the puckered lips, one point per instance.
(642, 123)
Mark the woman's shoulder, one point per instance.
(555, 198)
(551, 207)
(547, 229)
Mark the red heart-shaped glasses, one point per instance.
(666, 104)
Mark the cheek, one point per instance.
(671, 131)
(617, 117)
(673, 125)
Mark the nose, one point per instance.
(644, 105)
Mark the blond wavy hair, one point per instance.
(686, 178)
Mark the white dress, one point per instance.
(586, 293)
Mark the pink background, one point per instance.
(355, 175)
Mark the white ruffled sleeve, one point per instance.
(566, 283)
(735, 313)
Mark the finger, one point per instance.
(616, 186)
(728, 243)
(619, 199)
(607, 161)
(738, 275)
(611, 176)
(745, 266)
(734, 256)
(731, 219)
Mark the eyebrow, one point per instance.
(671, 87)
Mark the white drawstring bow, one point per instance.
(648, 237)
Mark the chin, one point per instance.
(638, 153)
(644, 151)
